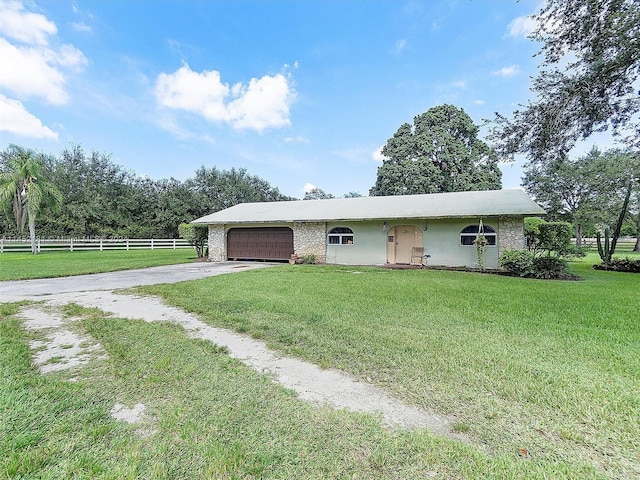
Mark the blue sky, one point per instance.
(300, 93)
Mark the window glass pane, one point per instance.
(491, 239)
(347, 239)
(341, 230)
(334, 239)
(467, 239)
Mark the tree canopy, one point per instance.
(316, 194)
(594, 190)
(587, 81)
(440, 152)
(103, 199)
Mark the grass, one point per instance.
(543, 376)
(208, 417)
(545, 366)
(22, 266)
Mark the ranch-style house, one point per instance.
(406, 229)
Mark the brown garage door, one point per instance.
(268, 243)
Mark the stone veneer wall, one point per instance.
(310, 238)
(510, 234)
(217, 244)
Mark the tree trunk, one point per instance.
(637, 247)
(578, 235)
(623, 213)
(32, 235)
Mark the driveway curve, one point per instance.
(319, 386)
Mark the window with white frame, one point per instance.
(340, 236)
(470, 233)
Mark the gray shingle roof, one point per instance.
(436, 205)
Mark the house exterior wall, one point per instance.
(511, 234)
(310, 238)
(217, 243)
(441, 240)
(368, 248)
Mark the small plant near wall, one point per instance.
(481, 243)
(309, 259)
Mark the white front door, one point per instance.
(405, 237)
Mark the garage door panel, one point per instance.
(268, 243)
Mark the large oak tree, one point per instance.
(440, 152)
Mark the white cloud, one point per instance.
(23, 26)
(298, 139)
(81, 27)
(400, 45)
(31, 71)
(510, 71)
(479, 102)
(308, 187)
(521, 27)
(185, 89)
(264, 103)
(16, 119)
(377, 154)
(31, 65)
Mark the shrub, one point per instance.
(196, 235)
(549, 267)
(576, 251)
(525, 264)
(517, 262)
(621, 265)
(532, 232)
(555, 237)
(309, 259)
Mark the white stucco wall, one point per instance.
(442, 242)
(369, 244)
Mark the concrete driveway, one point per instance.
(13, 291)
(72, 350)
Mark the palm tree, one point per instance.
(24, 189)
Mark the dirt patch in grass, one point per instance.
(63, 349)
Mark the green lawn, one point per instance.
(546, 366)
(549, 366)
(21, 266)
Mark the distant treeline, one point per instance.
(103, 199)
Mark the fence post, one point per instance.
(1, 245)
(71, 244)
(152, 244)
(127, 241)
(100, 244)
(38, 246)
(174, 243)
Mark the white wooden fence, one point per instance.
(625, 244)
(75, 244)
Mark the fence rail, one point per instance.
(625, 244)
(75, 244)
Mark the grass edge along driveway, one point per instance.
(24, 266)
(544, 369)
